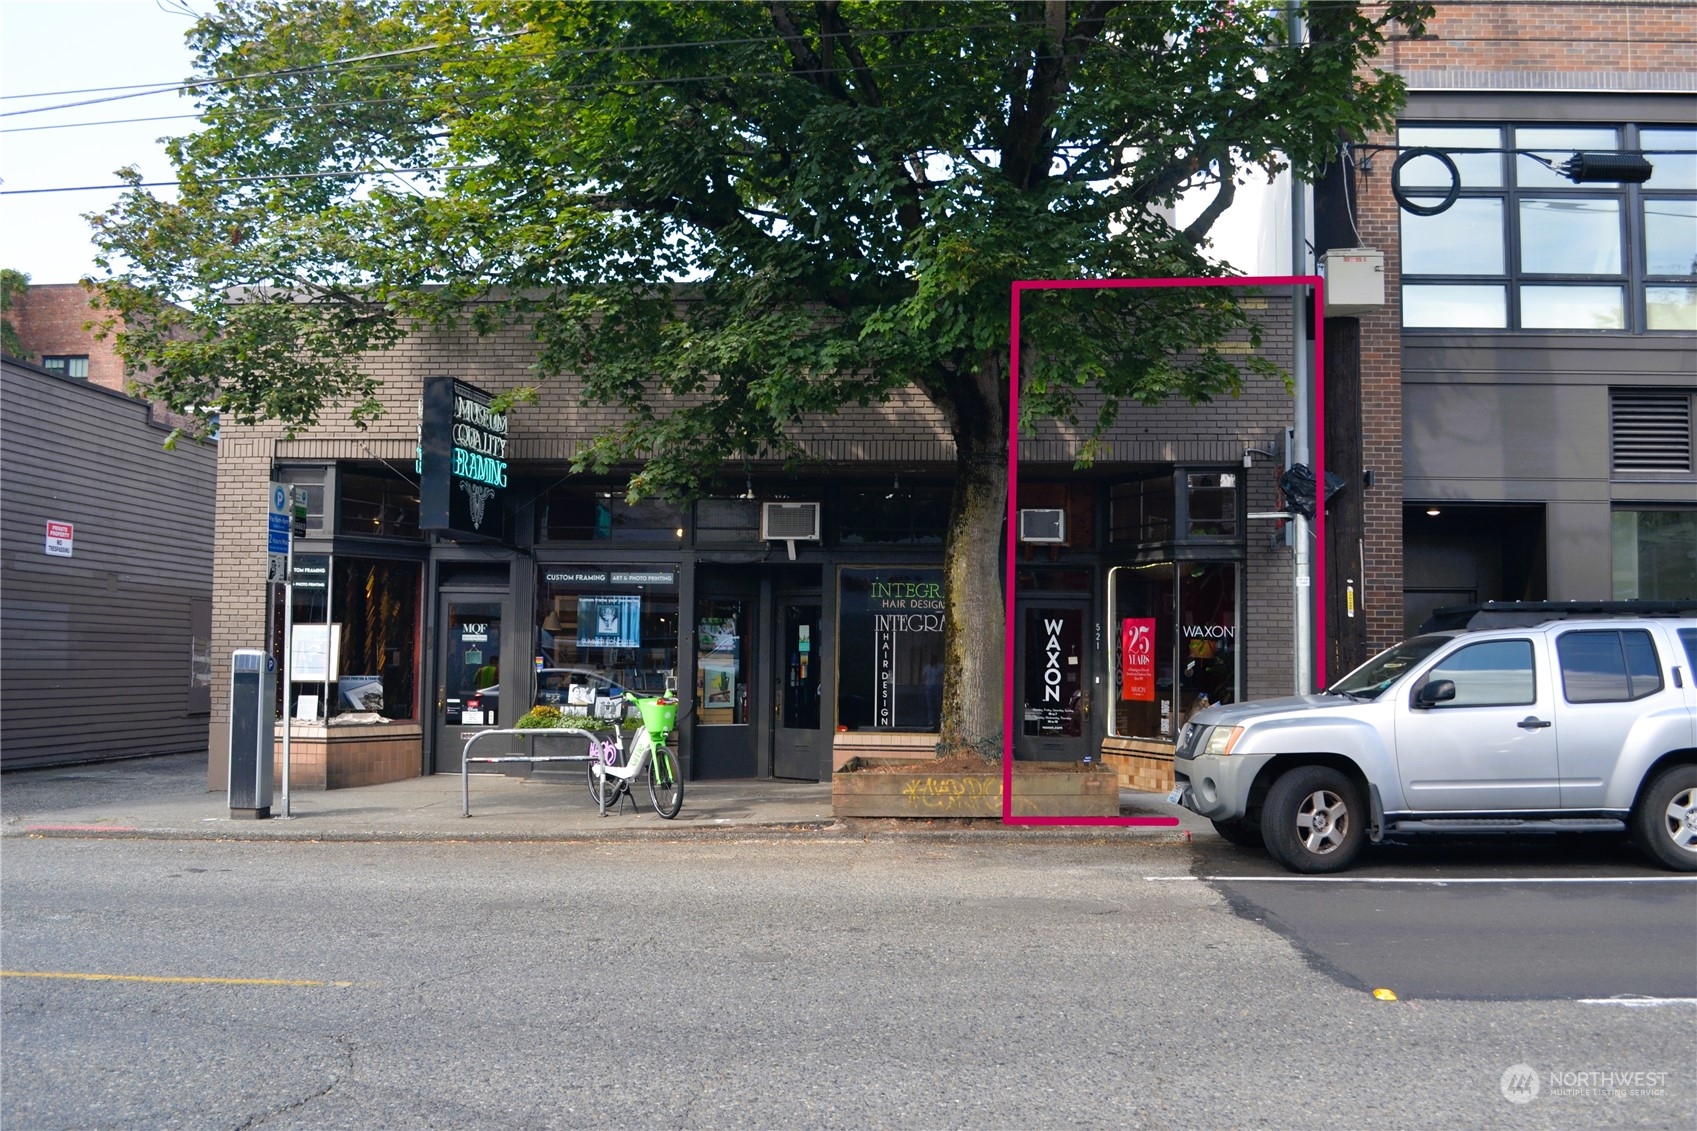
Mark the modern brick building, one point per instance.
(1518, 416)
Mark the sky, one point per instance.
(121, 43)
(66, 45)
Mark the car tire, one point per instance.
(1313, 820)
(1664, 825)
(1242, 832)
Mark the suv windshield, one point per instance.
(1370, 679)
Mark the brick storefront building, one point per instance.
(788, 659)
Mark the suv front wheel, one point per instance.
(1313, 820)
(1665, 823)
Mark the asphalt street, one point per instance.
(820, 980)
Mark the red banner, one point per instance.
(1137, 659)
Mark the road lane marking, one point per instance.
(165, 980)
(1638, 1001)
(1435, 882)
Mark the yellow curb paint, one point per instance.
(1384, 995)
(185, 981)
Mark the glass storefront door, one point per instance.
(469, 681)
(795, 737)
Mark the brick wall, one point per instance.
(52, 321)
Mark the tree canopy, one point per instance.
(773, 208)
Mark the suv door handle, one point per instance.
(1531, 722)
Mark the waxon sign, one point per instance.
(462, 488)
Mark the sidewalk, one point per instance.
(166, 798)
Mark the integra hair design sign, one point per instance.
(462, 461)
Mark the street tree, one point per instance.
(760, 211)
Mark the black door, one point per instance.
(1051, 685)
(798, 689)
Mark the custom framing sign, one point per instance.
(1315, 288)
(462, 486)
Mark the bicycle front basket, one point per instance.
(658, 715)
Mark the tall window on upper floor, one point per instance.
(1525, 248)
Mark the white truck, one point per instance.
(1572, 721)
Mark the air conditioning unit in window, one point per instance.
(1043, 526)
(789, 523)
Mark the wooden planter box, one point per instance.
(913, 789)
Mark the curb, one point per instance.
(838, 830)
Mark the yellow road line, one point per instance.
(164, 980)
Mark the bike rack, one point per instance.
(466, 758)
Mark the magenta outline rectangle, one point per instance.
(1317, 452)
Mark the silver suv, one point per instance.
(1572, 723)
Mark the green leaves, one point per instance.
(722, 217)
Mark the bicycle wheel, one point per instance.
(605, 788)
(609, 754)
(665, 782)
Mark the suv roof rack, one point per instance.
(1511, 614)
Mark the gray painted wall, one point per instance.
(98, 650)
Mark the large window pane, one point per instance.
(1477, 170)
(1454, 305)
(1670, 308)
(596, 627)
(377, 620)
(1670, 237)
(1207, 627)
(1557, 145)
(891, 648)
(722, 666)
(1143, 642)
(1572, 308)
(1465, 239)
(1655, 554)
(1211, 502)
(1570, 237)
(1675, 170)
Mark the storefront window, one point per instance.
(890, 659)
(1144, 645)
(376, 614)
(1175, 644)
(355, 637)
(721, 661)
(598, 626)
(1207, 628)
(592, 514)
(309, 671)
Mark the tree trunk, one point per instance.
(974, 633)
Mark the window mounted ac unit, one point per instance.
(1043, 526)
(789, 523)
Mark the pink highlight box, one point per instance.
(1317, 452)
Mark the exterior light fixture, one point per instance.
(1622, 168)
(1433, 511)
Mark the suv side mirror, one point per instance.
(1437, 691)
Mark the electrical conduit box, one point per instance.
(253, 709)
(1355, 281)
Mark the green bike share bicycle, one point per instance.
(611, 774)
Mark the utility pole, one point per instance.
(1302, 580)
